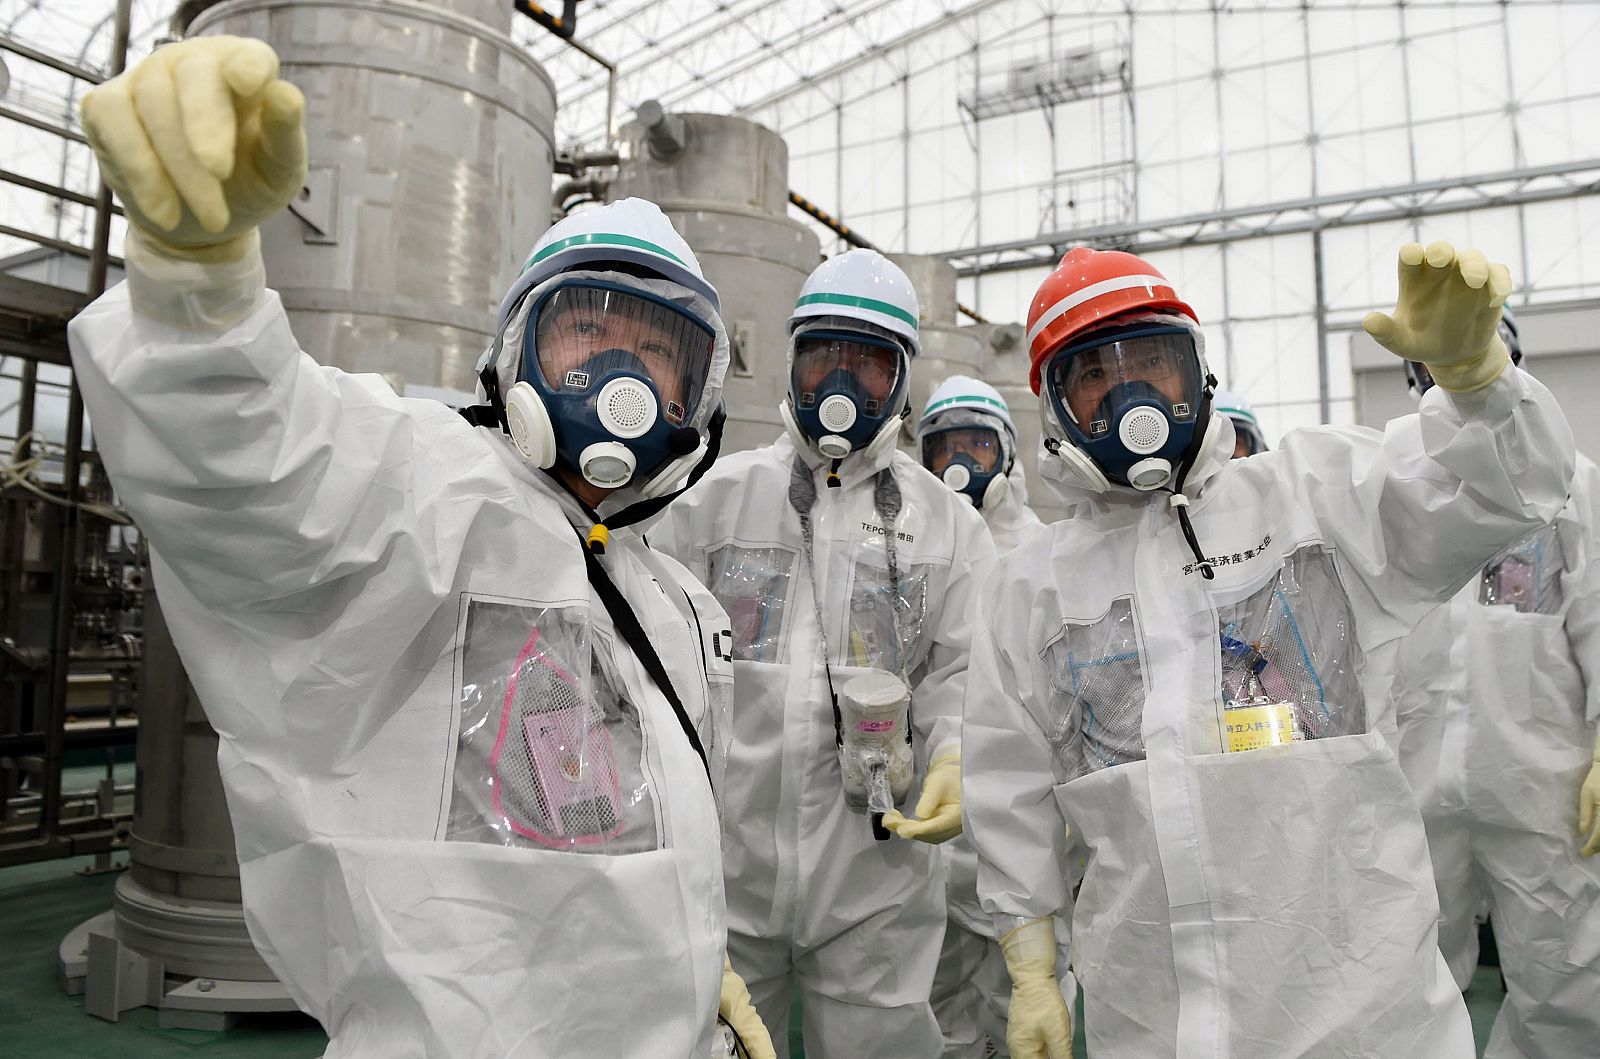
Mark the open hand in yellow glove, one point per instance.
(735, 1009)
(1039, 1025)
(1589, 807)
(202, 142)
(1447, 315)
(938, 808)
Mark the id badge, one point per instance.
(1258, 723)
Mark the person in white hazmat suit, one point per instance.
(967, 440)
(833, 552)
(1497, 695)
(1247, 437)
(1176, 672)
(471, 821)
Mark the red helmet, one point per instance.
(1087, 288)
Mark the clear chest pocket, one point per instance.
(1288, 659)
(550, 750)
(752, 584)
(1097, 693)
(886, 625)
(1526, 575)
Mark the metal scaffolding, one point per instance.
(70, 568)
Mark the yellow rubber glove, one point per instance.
(1040, 1023)
(736, 1010)
(1447, 315)
(938, 808)
(1589, 806)
(201, 142)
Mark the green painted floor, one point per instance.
(40, 903)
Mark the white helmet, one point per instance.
(1246, 426)
(962, 391)
(861, 285)
(628, 231)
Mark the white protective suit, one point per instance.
(1274, 902)
(1497, 708)
(971, 990)
(1011, 521)
(811, 894)
(354, 580)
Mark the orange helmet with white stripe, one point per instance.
(1089, 288)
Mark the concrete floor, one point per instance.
(39, 903)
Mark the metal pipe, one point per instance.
(593, 186)
(578, 162)
(564, 27)
(828, 221)
(8, 177)
(67, 557)
(43, 126)
(611, 88)
(666, 134)
(15, 46)
(74, 844)
(1228, 226)
(1324, 398)
(55, 244)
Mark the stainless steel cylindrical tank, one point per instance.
(946, 349)
(431, 145)
(430, 140)
(724, 182)
(179, 900)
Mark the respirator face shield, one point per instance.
(583, 332)
(845, 386)
(1130, 399)
(969, 459)
(980, 445)
(610, 379)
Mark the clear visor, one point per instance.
(980, 443)
(864, 369)
(1083, 376)
(582, 332)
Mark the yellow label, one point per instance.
(1257, 726)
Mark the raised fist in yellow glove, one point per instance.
(201, 141)
(938, 807)
(1447, 315)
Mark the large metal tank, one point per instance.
(946, 349)
(724, 182)
(430, 145)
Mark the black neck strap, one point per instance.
(627, 626)
(1191, 456)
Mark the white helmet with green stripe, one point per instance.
(861, 285)
(961, 391)
(628, 231)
